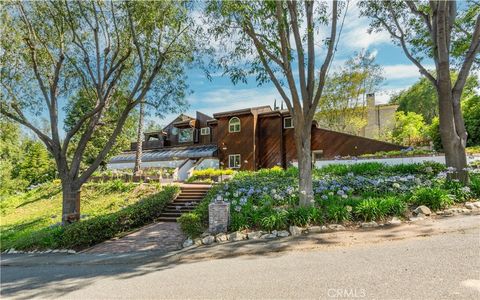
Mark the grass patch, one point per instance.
(31, 220)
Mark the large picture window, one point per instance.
(234, 161)
(234, 125)
(185, 135)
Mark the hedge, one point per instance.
(92, 231)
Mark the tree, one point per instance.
(410, 129)
(342, 106)
(422, 98)
(55, 50)
(448, 35)
(471, 112)
(268, 38)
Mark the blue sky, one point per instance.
(220, 94)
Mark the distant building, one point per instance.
(380, 119)
(246, 139)
(371, 121)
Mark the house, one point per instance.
(246, 139)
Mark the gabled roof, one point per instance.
(251, 110)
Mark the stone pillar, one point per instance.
(218, 216)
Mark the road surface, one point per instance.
(442, 266)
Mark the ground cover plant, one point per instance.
(32, 220)
(268, 199)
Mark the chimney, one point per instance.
(371, 100)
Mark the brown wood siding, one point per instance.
(270, 142)
(236, 142)
(336, 143)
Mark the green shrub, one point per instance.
(475, 185)
(97, 229)
(299, 216)
(435, 198)
(191, 224)
(369, 210)
(338, 213)
(461, 192)
(277, 220)
(392, 206)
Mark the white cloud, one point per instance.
(401, 71)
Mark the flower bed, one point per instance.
(208, 175)
(268, 199)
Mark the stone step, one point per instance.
(187, 200)
(167, 219)
(172, 210)
(171, 214)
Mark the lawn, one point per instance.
(31, 220)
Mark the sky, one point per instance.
(220, 94)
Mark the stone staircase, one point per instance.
(186, 201)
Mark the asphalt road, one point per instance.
(445, 266)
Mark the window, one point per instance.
(234, 161)
(288, 123)
(185, 135)
(317, 155)
(234, 125)
(205, 131)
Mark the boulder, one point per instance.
(208, 240)
(336, 227)
(187, 243)
(422, 209)
(268, 236)
(236, 236)
(295, 230)
(477, 204)
(197, 241)
(371, 224)
(70, 251)
(316, 228)
(470, 205)
(283, 233)
(395, 221)
(254, 235)
(221, 238)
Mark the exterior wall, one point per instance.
(237, 142)
(271, 152)
(335, 143)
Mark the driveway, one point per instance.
(440, 264)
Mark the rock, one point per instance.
(70, 251)
(371, 224)
(470, 205)
(274, 232)
(47, 251)
(477, 204)
(254, 235)
(395, 221)
(422, 209)
(315, 228)
(12, 251)
(464, 210)
(55, 251)
(221, 238)
(205, 234)
(283, 233)
(268, 236)
(295, 230)
(336, 227)
(197, 241)
(187, 243)
(236, 236)
(419, 217)
(208, 240)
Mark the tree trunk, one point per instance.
(453, 142)
(304, 156)
(138, 154)
(71, 203)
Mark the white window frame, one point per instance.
(205, 131)
(316, 152)
(236, 164)
(285, 126)
(230, 125)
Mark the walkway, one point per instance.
(161, 236)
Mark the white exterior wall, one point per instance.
(388, 161)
